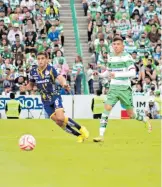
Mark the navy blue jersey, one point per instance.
(45, 82)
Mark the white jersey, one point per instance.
(123, 67)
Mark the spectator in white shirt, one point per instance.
(137, 29)
(139, 7)
(15, 30)
(56, 3)
(152, 109)
(90, 78)
(27, 3)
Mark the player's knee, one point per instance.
(108, 107)
(59, 123)
(53, 117)
(56, 120)
(60, 120)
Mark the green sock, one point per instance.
(138, 117)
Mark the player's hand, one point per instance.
(67, 87)
(22, 88)
(112, 75)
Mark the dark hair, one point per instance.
(6, 41)
(54, 13)
(43, 54)
(147, 77)
(17, 35)
(98, 92)
(60, 52)
(19, 56)
(16, 64)
(158, 45)
(148, 66)
(79, 58)
(117, 38)
(12, 96)
(101, 40)
(153, 25)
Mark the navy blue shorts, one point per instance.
(55, 104)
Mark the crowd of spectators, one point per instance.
(139, 23)
(26, 28)
(31, 26)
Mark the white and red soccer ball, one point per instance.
(27, 142)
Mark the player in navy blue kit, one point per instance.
(44, 77)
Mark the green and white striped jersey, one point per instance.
(121, 65)
(76, 67)
(93, 11)
(123, 27)
(14, 3)
(150, 15)
(6, 20)
(60, 28)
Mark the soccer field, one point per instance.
(129, 157)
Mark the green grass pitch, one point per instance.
(129, 157)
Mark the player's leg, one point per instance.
(61, 120)
(66, 122)
(144, 118)
(109, 103)
(126, 99)
(58, 118)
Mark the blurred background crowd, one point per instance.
(139, 24)
(28, 27)
(31, 26)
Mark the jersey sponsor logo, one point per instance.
(116, 69)
(47, 76)
(42, 81)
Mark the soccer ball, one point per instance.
(27, 142)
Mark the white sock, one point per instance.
(102, 131)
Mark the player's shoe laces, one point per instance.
(84, 132)
(80, 139)
(98, 139)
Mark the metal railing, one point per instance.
(78, 44)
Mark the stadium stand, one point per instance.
(139, 24)
(31, 26)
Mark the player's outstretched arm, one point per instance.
(105, 74)
(130, 73)
(62, 82)
(28, 87)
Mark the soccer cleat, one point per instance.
(84, 132)
(98, 139)
(80, 139)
